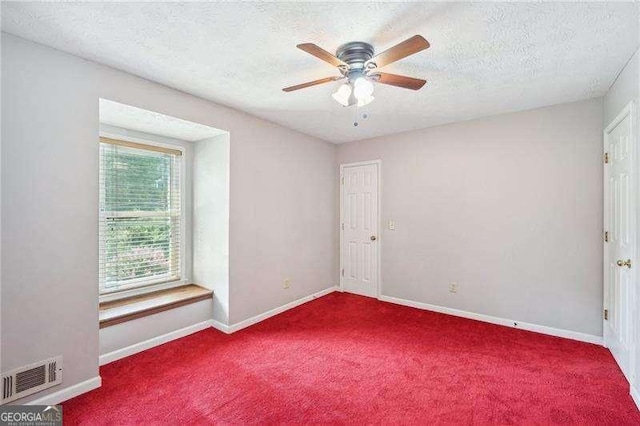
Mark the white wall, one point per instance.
(509, 207)
(282, 220)
(211, 221)
(282, 203)
(132, 333)
(625, 89)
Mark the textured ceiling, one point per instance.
(485, 58)
(142, 120)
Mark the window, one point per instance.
(140, 215)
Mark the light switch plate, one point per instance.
(392, 225)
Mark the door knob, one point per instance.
(626, 263)
(373, 238)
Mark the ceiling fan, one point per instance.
(356, 62)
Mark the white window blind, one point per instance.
(140, 215)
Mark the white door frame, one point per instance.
(628, 110)
(378, 164)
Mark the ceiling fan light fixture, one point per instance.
(358, 64)
(343, 94)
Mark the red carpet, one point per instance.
(350, 359)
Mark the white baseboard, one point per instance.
(635, 395)
(155, 341)
(68, 392)
(254, 320)
(568, 334)
(220, 326)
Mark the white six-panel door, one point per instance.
(620, 249)
(359, 228)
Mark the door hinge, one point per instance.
(342, 180)
(342, 226)
(606, 158)
(342, 273)
(606, 236)
(606, 314)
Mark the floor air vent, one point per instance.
(30, 379)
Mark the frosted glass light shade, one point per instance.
(365, 101)
(342, 94)
(362, 88)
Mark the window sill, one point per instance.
(130, 308)
(129, 293)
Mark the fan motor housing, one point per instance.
(355, 53)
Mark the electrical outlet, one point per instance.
(286, 283)
(392, 225)
(453, 287)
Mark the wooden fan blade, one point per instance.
(399, 80)
(408, 47)
(320, 53)
(312, 83)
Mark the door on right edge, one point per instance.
(620, 249)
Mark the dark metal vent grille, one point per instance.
(52, 371)
(7, 387)
(30, 378)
